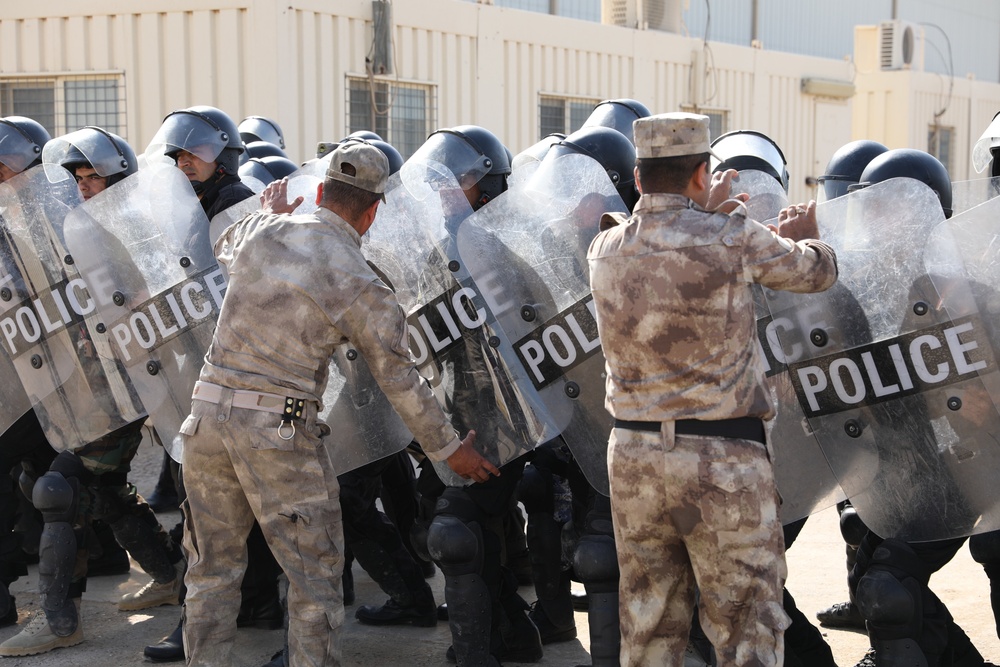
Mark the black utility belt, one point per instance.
(741, 428)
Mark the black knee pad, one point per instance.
(535, 490)
(852, 527)
(890, 602)
(596, 559)
(455, 545)
(985, 547)
(56, 497)
(70, 465)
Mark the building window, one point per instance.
(939, 143)
(562, 114)
(65, 103)
(401, 113)
(718, 119)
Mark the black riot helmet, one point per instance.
(749, 150)
(847, 165)
(203, 131)
(261, 149)
(324, 148)
(259, 128)
(268, 168)
(611, 149)
(21, 142)
(473, 154)
(104, 152)
(536, 152)
(910, 163)
(987, 149)
(617, 114)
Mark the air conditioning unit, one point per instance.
(901, 45)
(662, 15)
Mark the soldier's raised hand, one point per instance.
(274, 198)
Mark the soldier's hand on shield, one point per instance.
(470, 464)
(274, 198)
(719, 198)
(797, 223)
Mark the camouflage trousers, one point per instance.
(236, 469)
(696, 514)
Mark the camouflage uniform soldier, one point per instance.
(692, 489)
(299, 286)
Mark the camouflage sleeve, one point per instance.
(228, 242)
(376, 326)
(782, 264)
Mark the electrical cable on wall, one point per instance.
(391, 97)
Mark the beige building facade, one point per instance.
(323, 68)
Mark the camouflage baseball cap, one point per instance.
(369, 166)
(671, 135)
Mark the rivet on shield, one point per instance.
(118, 298)
(572, 389)
(493, 341)
(100, 328)
(5, 294)
(818, 337)
(68, 259)
(352, 355)
(454, 266)
(36, 361)
(185, 262)
(920, 308)
(852, 428)
(528, 313)
(152, 367)
(954, 403)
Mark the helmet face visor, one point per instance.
(95, 147)
(263, 130)
(17, 150)
(982, 152)
(185, 131)
(462, 158)
(750, 148)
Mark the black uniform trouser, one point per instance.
(940, 639)
(24, 444)
(372, 537)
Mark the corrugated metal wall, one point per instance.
(289, 60)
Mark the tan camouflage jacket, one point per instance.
(672, 290)
(298, 287)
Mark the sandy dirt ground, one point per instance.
(817, 578)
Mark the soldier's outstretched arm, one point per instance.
(470, 464)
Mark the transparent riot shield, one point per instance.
(412, 244)
(969, 194)
(52, 331)
(767, 197)
(804, 479)
(882, 368)
(143, 247)
(530, 246)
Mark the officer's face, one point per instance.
(194, 167)
(89, 182)
(6, 173)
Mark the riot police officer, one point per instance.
(24, 443)
(907, 623)
(487, 617)
(91, 481)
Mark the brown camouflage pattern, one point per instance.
(672, 291)
(299, 286)
(675, 308)
(295, 296)
(236, 469)
(695, 512)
